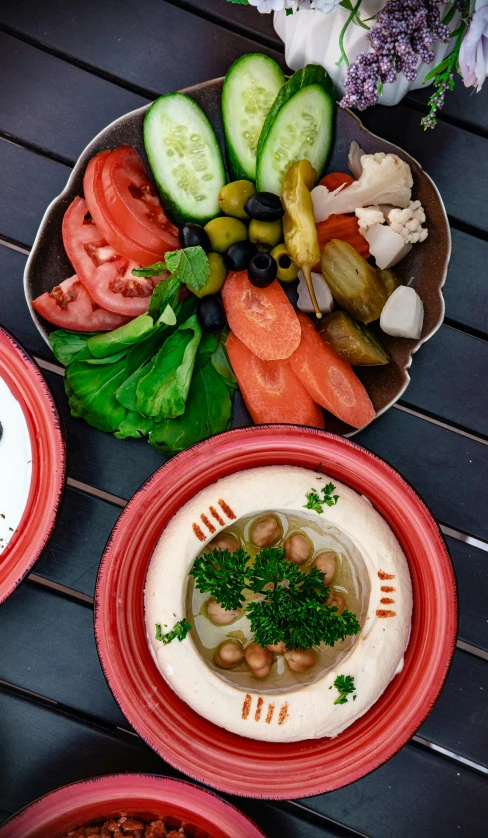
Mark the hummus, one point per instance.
(304, 710)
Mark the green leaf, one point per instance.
(164, 294)
(178, 632)
(223, 575)
(110, 343)
(134, 425)
(220, 362)
(316, 503)
(239, 2)
(126, 394)
(190, 265)
(156, 269)
(67, 345)
(208, 411)
(163, 392)
(110, 359)
(344, 685)
(168, 317)
(91, 392)
(207, 347)
(437, 70)
(449, 15)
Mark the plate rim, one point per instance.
(198, 87)
(46, 504)
(428, 701)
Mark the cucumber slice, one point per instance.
(185, 158)
(299, 126)
(250, 88)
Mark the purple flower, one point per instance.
(473, 56)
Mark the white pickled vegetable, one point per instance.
(386, 246)
(354, 159)
(325, 299)
(403, 314)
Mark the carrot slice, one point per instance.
(345, 228)
(335, 179)
(329, 380)
(271, 390)
(263, 318)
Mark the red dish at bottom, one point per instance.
(209, 753)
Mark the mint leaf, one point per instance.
(156, 269)
(190, 265)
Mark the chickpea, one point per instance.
(277, 648)
(259, 660)
(219, 615)
(266, 532)
(337, 600)
(327, 563)
(229, 654)
(298, 548)
(299, 660)
(224, 542)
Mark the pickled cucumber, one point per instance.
(353, 282)
(352, 341)
(390, 280)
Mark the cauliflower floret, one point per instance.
(408, 222)
(367, 216)
(385, 179)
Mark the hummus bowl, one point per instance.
(282, 736)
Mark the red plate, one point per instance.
(209, 753)
(140, 795)
(26, 382)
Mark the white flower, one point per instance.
(267, 6)
(325, 6)
(367, 216)
(408, 222)
(473, 55)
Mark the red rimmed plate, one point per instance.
(26, 382)
(209, 753)
(140, 795)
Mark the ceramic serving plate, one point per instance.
(139, 795)
(207, 752)
(37, 485)
(424, 268)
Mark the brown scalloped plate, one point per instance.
(425, 267)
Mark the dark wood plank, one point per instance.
(462, 104)
(14, 313)
(465, 291)
(74, 551)
(471, 566)
(47, 750)
(48, 648)
(234, 16)
(153, 45)
(454, 159)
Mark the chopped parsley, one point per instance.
(315, 502)
(344, 685)
(178, 632)
(222, 574)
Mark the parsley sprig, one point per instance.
(178, 632)
(290, 606)
(344, 685)
(317, 503)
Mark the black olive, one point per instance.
(262, 270)
(265, 206)
(211, 314)
(193, 235)
(239, 255)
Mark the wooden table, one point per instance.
(68, 68)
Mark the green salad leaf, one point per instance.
(111, 343)
(220, 362)
(91, 392)
(164, 294)
(67, 345)
(134, 425)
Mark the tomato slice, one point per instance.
(111, 231)
(70, 306)
(103, 271)
(133, 201)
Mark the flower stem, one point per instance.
(349, 20)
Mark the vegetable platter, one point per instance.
(163, 335)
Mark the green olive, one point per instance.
(224, 231)
(233, 196)
(265, 234)
(216, 277)
(287, 270)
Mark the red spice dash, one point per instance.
(383, 575)
(381, 612)
(216, 515)
(198, 532)
(387, 601)
(246, 707)
(269, 714)
(387, 589)
(226, 508)
(259, 708)
(283, 713)
(207, 523)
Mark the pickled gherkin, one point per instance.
(353, 282)
(352, 341)
(390, 280)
